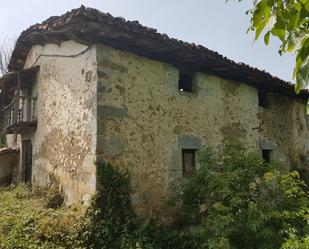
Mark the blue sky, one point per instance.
(211, 23)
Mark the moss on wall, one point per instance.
(142, 118)
(127, 110)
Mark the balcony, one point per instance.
(20, 115)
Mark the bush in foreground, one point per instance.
(26, 222)
(234, 201)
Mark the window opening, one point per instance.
(263, 100)
(266, 154)
(185, 83)
(188, 161)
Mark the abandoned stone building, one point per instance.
(86, 87)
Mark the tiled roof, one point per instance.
(90, 26)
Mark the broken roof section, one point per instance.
(90, 26)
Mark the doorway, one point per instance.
(27, 160)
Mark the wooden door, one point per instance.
(27, 159)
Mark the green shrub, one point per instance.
(111, 222)
(25, 223)
(55, 199)
(235, 200)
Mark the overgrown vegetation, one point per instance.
(238, 201)
(234, 201)
(26, 222)
(116, 225)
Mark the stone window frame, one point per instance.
(188, 143)
(185, 172)
(267, 149)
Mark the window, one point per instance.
(266, 154)
(188, 161)
(185, 83)
(263, 100)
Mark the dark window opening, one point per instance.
(188, 162)
(185, 83)
(266, 154)
(263, 100)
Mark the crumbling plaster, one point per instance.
(285, 125)
(144, 120)
(65, 139)
(114, 106)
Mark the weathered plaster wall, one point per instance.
(285, 129)
(144, 120)
(65, 139)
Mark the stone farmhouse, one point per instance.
(86, 86)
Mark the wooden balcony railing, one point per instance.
(20, 114)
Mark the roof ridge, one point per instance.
(83, 15)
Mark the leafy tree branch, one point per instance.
(288, 20)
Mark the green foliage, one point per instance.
(54, 199)
(288, 21)
(235, 200)
(111, 222)
(26, 223)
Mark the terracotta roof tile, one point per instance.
(93, 26)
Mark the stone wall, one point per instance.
(285, 129)
(65, 139)
(98, 103)
(144, 121)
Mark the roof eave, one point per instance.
(90, 26)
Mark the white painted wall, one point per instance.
(65, 139)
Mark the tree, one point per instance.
(6, 49)
(287, 20)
